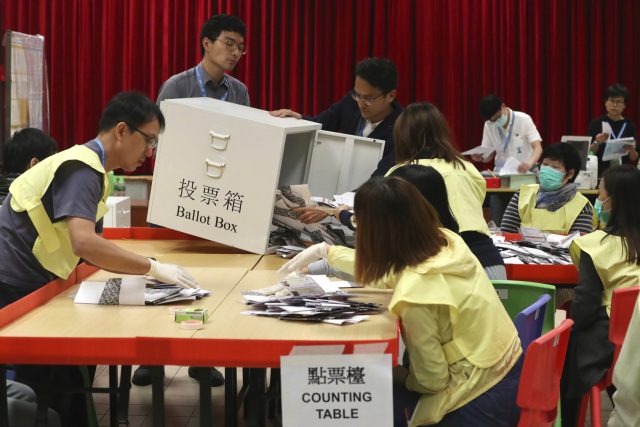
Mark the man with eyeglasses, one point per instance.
(615, 101)
(511, 134)
(52, 216)
(221, 46)
(370, 109)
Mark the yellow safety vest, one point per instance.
(610, 260)
(466, 190)
(52, 247)
(559, 221)
(482, 329)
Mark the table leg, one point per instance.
(230, 397)
(113, 395)
(123, 395)
(4, 410)
(255, 400)
(157, 395)
(205, 397)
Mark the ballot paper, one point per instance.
(345, 198)
(510, 167)
(308, 299)
(133, 291)
(616, 148)
(483, 151)
(115, 291)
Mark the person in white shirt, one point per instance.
(511, 134)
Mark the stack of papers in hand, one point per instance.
(302, 298)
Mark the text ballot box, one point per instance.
(219, 164)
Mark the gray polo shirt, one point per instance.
(185, 85)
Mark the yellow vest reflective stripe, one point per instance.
(52, 247)
(609, 258)
(455, 278)
(466, 190)
(559, 221)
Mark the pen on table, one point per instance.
(492, 174)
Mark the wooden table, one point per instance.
(46, 327)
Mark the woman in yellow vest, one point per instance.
(555, 205)
(422, 136)
(464, 351)
(607, 260)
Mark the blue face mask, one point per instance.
(500, 121)
(603, 216)
(550, 178)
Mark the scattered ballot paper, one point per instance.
(345, 198)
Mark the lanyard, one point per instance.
(619, 135)
(103, 158)
(203, 92)
(507, 137)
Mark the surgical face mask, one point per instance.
(603, 216)
(550, 178)
(500, 121)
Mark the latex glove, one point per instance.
(304, 258)
(171, 274)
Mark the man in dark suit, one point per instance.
(370, 109)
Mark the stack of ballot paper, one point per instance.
(133, 291)
(303, 298)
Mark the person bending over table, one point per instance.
(511, 134)
(432, 187)
(607, 260)
(422, 136)
(554, 205)
(51, 217)
(464, 351)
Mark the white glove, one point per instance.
(304, 258)
(171, 274)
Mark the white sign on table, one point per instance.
(337, 390)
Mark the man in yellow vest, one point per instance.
(50, 219)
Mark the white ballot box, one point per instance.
(119, 214)
(219, 164)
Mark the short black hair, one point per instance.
(212, 28)
(566, 154)
(489, 105)
(24, 145)
(378, 72)
(133, 108)
(616, 91)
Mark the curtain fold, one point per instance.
(550, 58)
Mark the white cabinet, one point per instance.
(218, 166)
(119, 214)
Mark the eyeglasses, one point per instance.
(615, 101)
(232, 45)
(150, 141)
(367, 100)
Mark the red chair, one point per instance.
(623, 302)
(539, 388)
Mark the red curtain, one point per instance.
(550, 58)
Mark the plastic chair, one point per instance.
(539, 388)
(529, 321)
(623, 302)
(517, 296)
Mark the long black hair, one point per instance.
(431, 184)
(623, 185)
